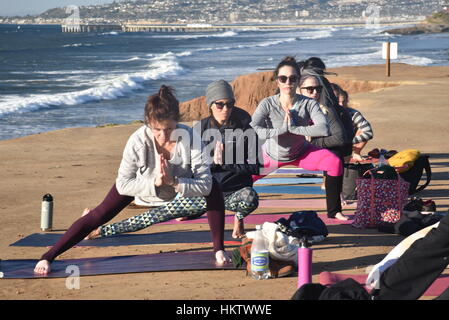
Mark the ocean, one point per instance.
(51, 80)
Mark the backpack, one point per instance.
(413, 175)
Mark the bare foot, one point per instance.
(222, 258)
(86, 211)
(181, 219)
(42, 267)
(239, 229)
(341, 216)
(357, 157)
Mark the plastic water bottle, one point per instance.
(304, 263)
(259, 256)
(47, 212)
(382, 160)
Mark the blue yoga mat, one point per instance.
(289, 189)
(288, 181)
(180, 261)
(49, 239)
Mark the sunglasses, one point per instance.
(311, 89)
(283, 79)
(221, 105)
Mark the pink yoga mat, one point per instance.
(329, 278)
(258, 219)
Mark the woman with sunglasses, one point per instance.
(156, 168)
(314, 85)
(227, 134)
(284, 121)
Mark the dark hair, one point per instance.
(162, 106)
(287, 61)
(340, 92)
(312, 62)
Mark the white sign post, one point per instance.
(389, 52)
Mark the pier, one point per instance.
(76, 28)
(135, 27)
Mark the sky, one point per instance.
(24, 7)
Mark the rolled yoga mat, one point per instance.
(437, 287)
(127, 239)
(180, 261)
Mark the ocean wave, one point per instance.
(374, 57)
(71, 45)
(318, 34)
(161, 66)
(242, 46)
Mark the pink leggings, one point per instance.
(315, 159)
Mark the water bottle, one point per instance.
(47, 212)
(259, 256)
(382, 160)
(304, 263)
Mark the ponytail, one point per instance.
(162, 106)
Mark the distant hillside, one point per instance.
(436, 23)
(439, 18)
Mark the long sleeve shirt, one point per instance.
(285, 141)
(139, 166)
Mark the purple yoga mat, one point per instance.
(437, 287)
(181, 261)
(259, 219)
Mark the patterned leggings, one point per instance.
(242, 202)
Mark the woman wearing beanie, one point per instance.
(157, 168)
(284, 121)
(232, 144)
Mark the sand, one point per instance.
(79, 165)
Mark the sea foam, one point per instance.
(159, 67)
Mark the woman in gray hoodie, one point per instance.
(284, 121)
(163, 165)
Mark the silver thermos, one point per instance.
(47, 212)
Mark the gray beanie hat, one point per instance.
(218, 90)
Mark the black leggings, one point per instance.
(114, 203)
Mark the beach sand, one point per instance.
(79, 165)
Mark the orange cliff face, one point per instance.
(250, 89)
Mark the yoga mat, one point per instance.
(181, 261)
(437, 287)
(289, 189)
(258, 219)
(287, 181)
(299, 204)
(180, 236)
(295, 171)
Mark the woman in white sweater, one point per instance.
(162, 165)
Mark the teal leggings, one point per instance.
(242, 202)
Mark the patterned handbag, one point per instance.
(379, 200)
